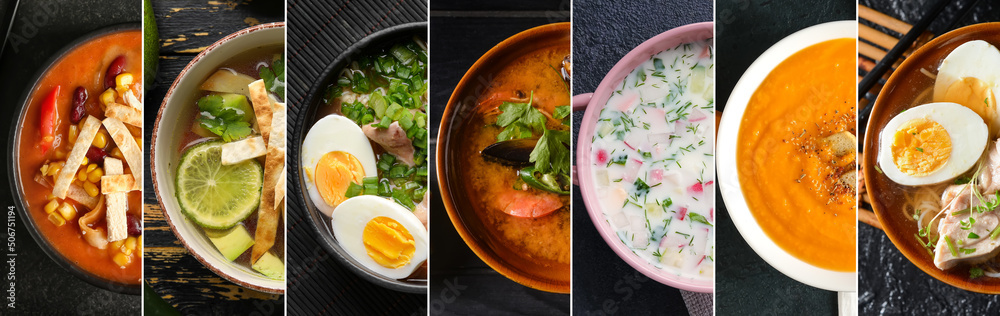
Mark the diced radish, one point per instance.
(629, 100)
(631, 170)
(711, 214)
(695, 189)
(696, 115)
(655, 176)
(602, 157)
(701, 260)
(683, 212)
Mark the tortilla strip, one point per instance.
(118, 183)
(124, 113)
(274, 163)
(132, 100)
(83, 141)
(247, 148)
(279, 188)
(117, 227)
(130, 150)
(261, 107)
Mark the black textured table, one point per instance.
(40, 29)
(602, 282)
(461, 32)
(888, 283)
(745, 284)
(186, 28)
(318, 32)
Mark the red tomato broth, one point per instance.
(84, 66)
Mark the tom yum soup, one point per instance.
(653, 161)
(80, 156)
(796, 155)
(942, 152)
(231, 175)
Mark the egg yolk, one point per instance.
(388, 242)
(920, 147)
(334, 173)
(974, 94)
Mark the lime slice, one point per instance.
(213, 195)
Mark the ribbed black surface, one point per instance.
(318, 31)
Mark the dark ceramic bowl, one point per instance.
(306, 117)
(14, 173)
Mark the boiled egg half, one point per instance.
(335, 154)
(970, 76)
(382, 235)
(931, 143)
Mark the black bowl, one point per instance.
(14, 173)
(307, 116)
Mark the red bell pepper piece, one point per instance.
(48, 120)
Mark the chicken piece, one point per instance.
(421, 209)
(989, 176)
(955, 225)
(393, 140)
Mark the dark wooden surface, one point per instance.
(461, 283)
(319, 31)
(187, 27)
(40, 29)
(602, 282)
(745, 284)
(888, 283)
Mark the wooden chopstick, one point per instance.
(883, 20)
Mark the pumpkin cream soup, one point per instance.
(796, 155)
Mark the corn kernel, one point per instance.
(67, 211)
(108, 97)
(130, 243)
(51, 206)
(138, 244)
(72, 134)
(55, 167)
(95, 175)
(122, 260)
(82, 175)
(117, 153)
(100, 140)
(56, 219)
(91, 189)
(124, 80)
(117, 244)
(84, 162)
(91, 167)
(60, 154)
(44, 169)
(50, 197)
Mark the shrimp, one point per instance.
(527, 204)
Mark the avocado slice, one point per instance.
(270, 266)
(231, 242)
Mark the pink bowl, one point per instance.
(593, 102)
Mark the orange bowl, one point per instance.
(902, 89)
(461, 208)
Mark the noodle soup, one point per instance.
(653, 161)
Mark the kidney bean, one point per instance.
(96, 155)
(78, 111)
(134, 225)
(116, 68)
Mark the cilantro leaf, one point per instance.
(551, 152)
(237, 130)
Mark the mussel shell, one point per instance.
(515, 152)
